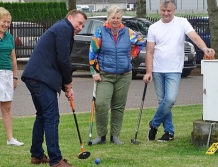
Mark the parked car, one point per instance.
(201, 26)
(25, 34)
(80, 52)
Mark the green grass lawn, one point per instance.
(177, 153)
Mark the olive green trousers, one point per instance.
(111, 94)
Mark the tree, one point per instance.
(71, 4)
(141, 8)
(213, 22)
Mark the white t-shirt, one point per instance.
(169, 44)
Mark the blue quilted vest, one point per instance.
(114, 57)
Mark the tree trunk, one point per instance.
(71, 4)
(213, 22)
(141, 8)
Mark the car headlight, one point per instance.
(193, 50)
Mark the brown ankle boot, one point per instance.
(43, 160)
(62, 163)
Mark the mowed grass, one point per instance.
(177, 153)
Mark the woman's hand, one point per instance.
(96, 77)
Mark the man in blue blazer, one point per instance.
(47, 72)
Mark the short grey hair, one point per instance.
(112, 10)
(166, 2)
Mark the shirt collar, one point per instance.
(106, 24)
(69, 23)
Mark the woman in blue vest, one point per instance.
(110, 63)
(8, 74)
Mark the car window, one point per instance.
(143, 26)
(131, 24)
(140, 26)
(85, 29)
(95, 25)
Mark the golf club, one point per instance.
(134, 140)
(84, 154)
(92, 114)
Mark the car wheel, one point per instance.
(186, 73)
(134, 74)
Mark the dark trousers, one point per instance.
(46, 122)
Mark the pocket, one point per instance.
(34, 86)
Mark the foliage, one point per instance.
(36, 11)
(177, 153)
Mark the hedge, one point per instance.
(36, 11)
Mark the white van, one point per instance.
(79, 7)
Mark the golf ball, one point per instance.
(97, 161)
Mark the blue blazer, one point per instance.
(50, 60)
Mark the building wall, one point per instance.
(97, 7)
(152, 6)
(181, 4)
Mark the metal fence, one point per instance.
(26, 34)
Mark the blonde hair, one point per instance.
(112, 10)
(4, 12)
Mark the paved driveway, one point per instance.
(190, 93)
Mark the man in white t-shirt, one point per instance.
(164, 63)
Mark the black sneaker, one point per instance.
(166, 137)
(152, 132)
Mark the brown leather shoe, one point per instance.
(62, 163)
(35, 160)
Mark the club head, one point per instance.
(134, 141)
(90, 143)
(84, 155)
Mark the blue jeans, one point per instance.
(166, 87)
(46, 122)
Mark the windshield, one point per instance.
(140, 26)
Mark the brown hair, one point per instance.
(74, 12)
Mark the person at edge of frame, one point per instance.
(8, 75)
(47, 72)
(112, 47)
(164, 64)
